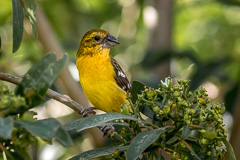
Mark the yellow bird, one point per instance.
(102, 79)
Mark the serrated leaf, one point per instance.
(39, 78)
(96, 120)
(46, 129)
(99, 152)
(186, 132)
(142, 141)
(229, 149)
(6, 127)
(30, 13)
(137, 88)
(17, 24)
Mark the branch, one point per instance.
(50, 93)
(59, 97)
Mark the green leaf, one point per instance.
(6, 127)
(99, 152)
(142, 141)
(146, 111)
(46, 129)
(116, 123)
(229, 149)
(97, 120)
(0, 42)
(191, 150)
(39, 78)
(63, 137)
(30, 13)
(17, 24)
(137, 88)
(186, 132)
(19, 154)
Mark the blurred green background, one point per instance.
(193, 39)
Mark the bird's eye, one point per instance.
(97, 38)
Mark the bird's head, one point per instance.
(97, 39)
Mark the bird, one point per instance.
(102, 79)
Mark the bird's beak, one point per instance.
(110, 41)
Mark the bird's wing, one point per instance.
(120, 76)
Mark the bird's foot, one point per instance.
(88, 111)
(107, 130)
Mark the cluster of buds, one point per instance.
(185, 108)
(9, 101)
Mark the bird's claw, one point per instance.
(107, 129)
(88, 111)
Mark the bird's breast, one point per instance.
(98, 83)
(94, 69)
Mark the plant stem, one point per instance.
(50, 93)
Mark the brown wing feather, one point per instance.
(120, 76)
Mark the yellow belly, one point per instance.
(98, 83)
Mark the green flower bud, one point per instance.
(115, 153)
(201, 118)
(124, 109)
(174, 155)
(161, 112)
(202, 90)
(208, 101)
(196, 92)
(179, 99)
(176, 94)
(209, 153)
(182, 145)
(193, 111)
(183, 82)
(170, 103)
(187, 111)
(214, 106)
(174, 105)
(203, 141)
(220, 120)
(150, 93)
(222, 109)
(201, 101)
(188, 122)
(175, 88)
(156, 109)
(189, 94)
(202, 131)
(166, 109)
(163, 135)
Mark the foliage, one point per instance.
(18, 129)
(187, 125)
(209, 27)
(29, 11)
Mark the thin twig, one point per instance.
(57, 96)
(50, 93)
